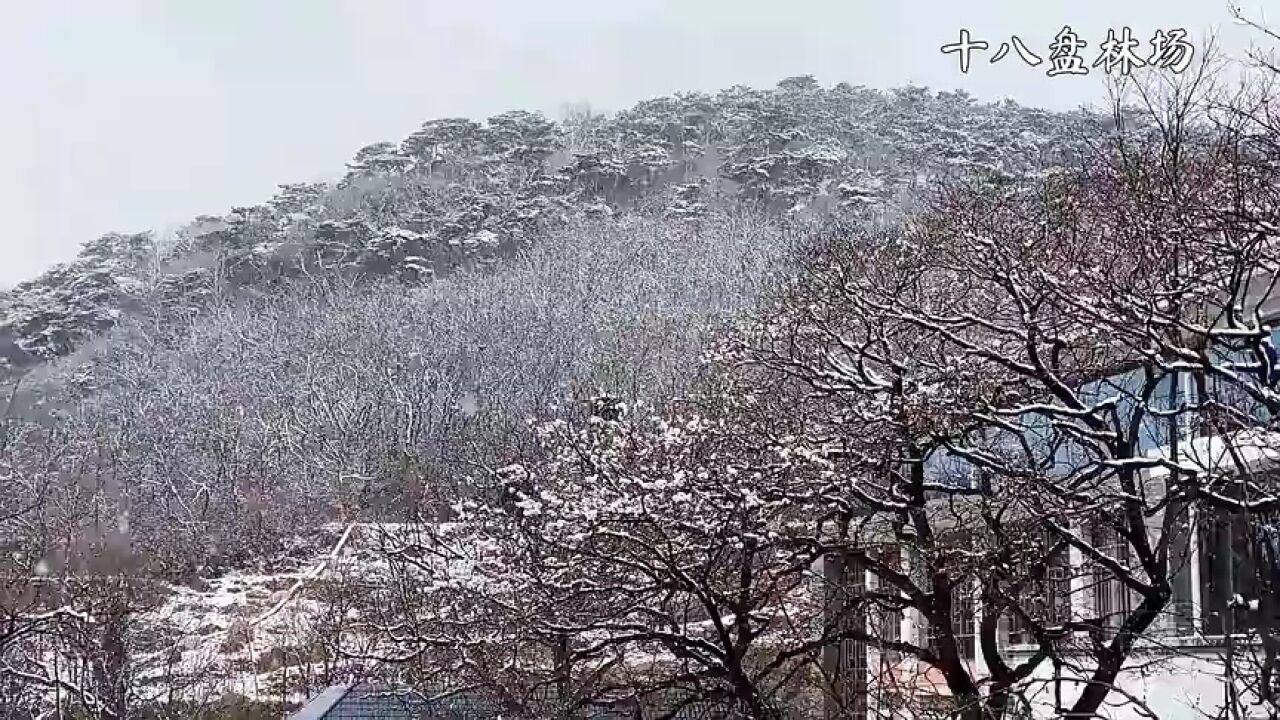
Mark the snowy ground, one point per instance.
(257, 634)
(242, 632)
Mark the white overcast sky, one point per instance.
(131, 114)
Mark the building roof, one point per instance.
(1250, 451)
(368, 701)
(382, 702)
(320, 706)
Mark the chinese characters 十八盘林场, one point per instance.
(1117, 55)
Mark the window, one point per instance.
(1228, 563)
(964, 603)
(1266, 547)
(963, 611)
(1128, 387)
(1180, 618)
(845, 662)
(1046, 601)
(1234, 409)
(1112, 599)
(1239, 409)
(949, 470)
(887, 621)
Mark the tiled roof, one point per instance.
(320, 706)
(371, 702)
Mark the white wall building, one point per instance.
(1178, 670)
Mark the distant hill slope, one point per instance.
(462, 194)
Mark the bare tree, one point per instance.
(628, 562)
(1058, 374)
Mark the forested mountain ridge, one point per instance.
(463, 194)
